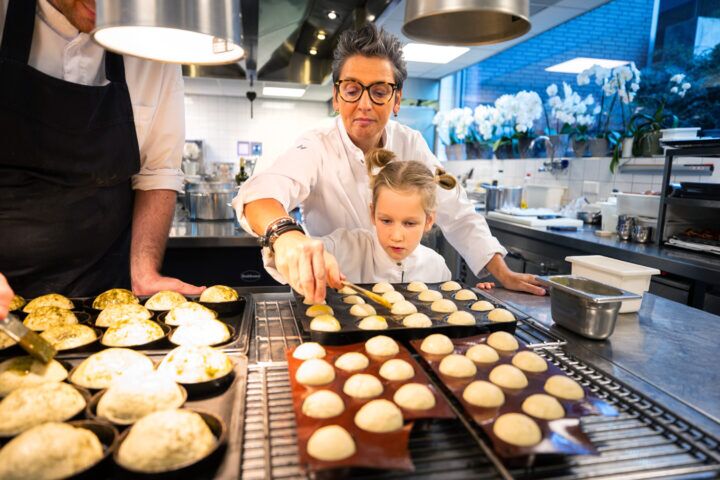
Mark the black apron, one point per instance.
(67, 155)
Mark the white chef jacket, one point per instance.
(362, 259)
(324, 172)
(156, 92)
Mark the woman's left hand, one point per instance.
(485, 285)
(522, 282)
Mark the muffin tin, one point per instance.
(351, 333)
(561, 436)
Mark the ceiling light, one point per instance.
(579, 64)
(420, 52)
(321, 35)
(175, 31)
(371, 18)
(313, 51)
(332, 15)
(283, 92)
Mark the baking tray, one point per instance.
(350, 332)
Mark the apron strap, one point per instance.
(18, 30)
(114, 67)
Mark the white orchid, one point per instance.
(552, 90)
(572, 109)
(674, 90)
(685, 86)
(518, 112)
(677, 78)
(488, 120)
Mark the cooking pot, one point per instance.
(501, 197)
(209, 200)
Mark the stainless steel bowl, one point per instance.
(209, 200)
(498, 197)
(590, 218)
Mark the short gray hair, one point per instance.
(368, 41)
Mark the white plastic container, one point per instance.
(625, 275)
(544, 196)
(608, 210)
(638, 205)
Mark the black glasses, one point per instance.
(380, 92)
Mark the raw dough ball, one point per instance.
(417, 320)
(382, 287)
(529, 361)
(362, 385)
(316, 310)
(362, 310)
(309, 350)
(331, 444)
(483, 394)
(414, 396)
(315, 372)
(461, 318)
(482, 354)
(353, 300)
(373, 322)
(465, 294)
(517, 429)
(455, 365)
(352, 361)
(564, 387)
(393, 297)
(437, 344)
(323, 404)
(482, 306)
(379, 416)
(403, 307)
(501, 315)
(508, 376)
(502, 341)
(219, 294)
(325, 323)
(443, 306)
(165, 300)
(382, 346)
(347, 291)
(416, 287)
(450, 286)
(543, 406)
(397, 369)
(429, 296)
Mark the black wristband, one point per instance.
(277, 228)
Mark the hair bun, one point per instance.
(378, 158)
(445, 180)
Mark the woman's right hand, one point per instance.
(6, 296)
(306, 266)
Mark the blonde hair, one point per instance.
(406, 175)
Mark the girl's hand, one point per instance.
(485, 285)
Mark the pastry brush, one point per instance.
(30, 341)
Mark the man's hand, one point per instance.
(306, 266)
(523, 282)
(6, 296)
(151, 284)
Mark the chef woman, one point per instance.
(324, 173)
(90, 156)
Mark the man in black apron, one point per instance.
(67, 157)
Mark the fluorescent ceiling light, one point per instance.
(420, 52)
(283, 92)
(579, 64)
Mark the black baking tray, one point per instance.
(350, 332)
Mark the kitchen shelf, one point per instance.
(692, 202)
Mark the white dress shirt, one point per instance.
(156, 92)
(324, 172)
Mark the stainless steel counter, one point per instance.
(204, 234)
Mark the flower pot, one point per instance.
(627, 145)
(456, 151)
(560, 144)
(504, 151)
(524, 147)
(477, 150)
(650, 144)
(579, 147)
(599, 147)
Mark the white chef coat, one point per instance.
(156, 92)
(324, 172)
(362, 259)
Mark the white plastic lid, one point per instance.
(612, 265)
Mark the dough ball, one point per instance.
(508, 376)
(382, 287)
(331, 444)
(373, 322)
(483, 394)
(529, 361)
(482, 306)
(362, 310)
(564, 387)
(455, 365)
(501, 315)
(414, 396)
(482, 354)
(396, 370)
(315, 372)
(503, 341)
(362, 385)
(352, 362)
(429, 296)
(309, 350)
(443, 306)
(403, 307)
(461, 318)
(450, 286)
(323, 404)
(346, 291)
(465, 294)
(416, 287)
(382, 346)
(317, 310)
(437, 344)
(393, 297)
(353, 300)
(517, 429)
(325, 323)
(219, 294)
(543, 406)
(379, 416)
(417, 320)
(165, 300)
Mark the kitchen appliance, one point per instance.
(206, 200)
(586, 307)
(501, 197)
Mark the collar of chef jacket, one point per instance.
(57, 21)
(352, 150)
(397, 271)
